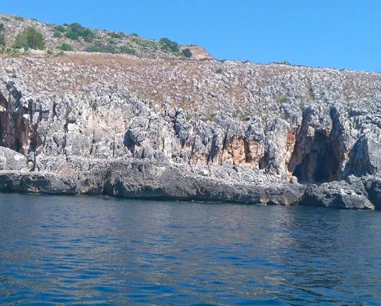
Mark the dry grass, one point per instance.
(202, 87)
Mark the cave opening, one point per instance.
(16, 146)
(320, 164)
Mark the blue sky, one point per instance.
(335, 33)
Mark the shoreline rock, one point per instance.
(143, 179)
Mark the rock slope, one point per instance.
(188, 129)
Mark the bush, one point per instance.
(60, 29)
(75, 31)
(29, 38)
(147, 45)
(116, 35)
(101, 48)
(2, 35)
(127, 50)
(169, 46)
(187, 52)
(72, 35)
(57, 34)
(66, 47)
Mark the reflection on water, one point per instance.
(81, 250)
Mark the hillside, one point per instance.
(75, 37)
(165, 127)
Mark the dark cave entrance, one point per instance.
(320, 164)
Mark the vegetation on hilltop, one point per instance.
(23, 33)
(75, 31)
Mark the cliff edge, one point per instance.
(175, 128)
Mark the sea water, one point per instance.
(98, 250)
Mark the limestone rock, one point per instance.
(12, 160)
(224, 131)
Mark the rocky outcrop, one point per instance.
(100, 134)
(49, 183)
(338, 195)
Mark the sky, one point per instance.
(343, 34)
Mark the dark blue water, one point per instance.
(81, 250)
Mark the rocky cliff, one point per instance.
(190, 129)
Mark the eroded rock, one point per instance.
(196, 130)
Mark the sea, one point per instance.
(58, 250)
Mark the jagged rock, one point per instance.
(373, 187)
(337, 194)
(139, 127)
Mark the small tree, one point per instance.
(29, 38)
(66, 47)
(76, 30)
(169, 45)
(187, 53)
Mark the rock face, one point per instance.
(274, 134)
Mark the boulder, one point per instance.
(335, 194)
(12, 160)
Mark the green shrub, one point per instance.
(283, 100)
(72, 35)
(127, 50)
(59, 29)
(12, 52)
(75, 31)
(169, 46)
(116, 35)
(2, 35)
(66, 47)
(187, 52)
(29, 38)
(135, 34)
(57, 34)
(147, 45)
(101, 48)
(88, 37)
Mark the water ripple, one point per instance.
(96, 251)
